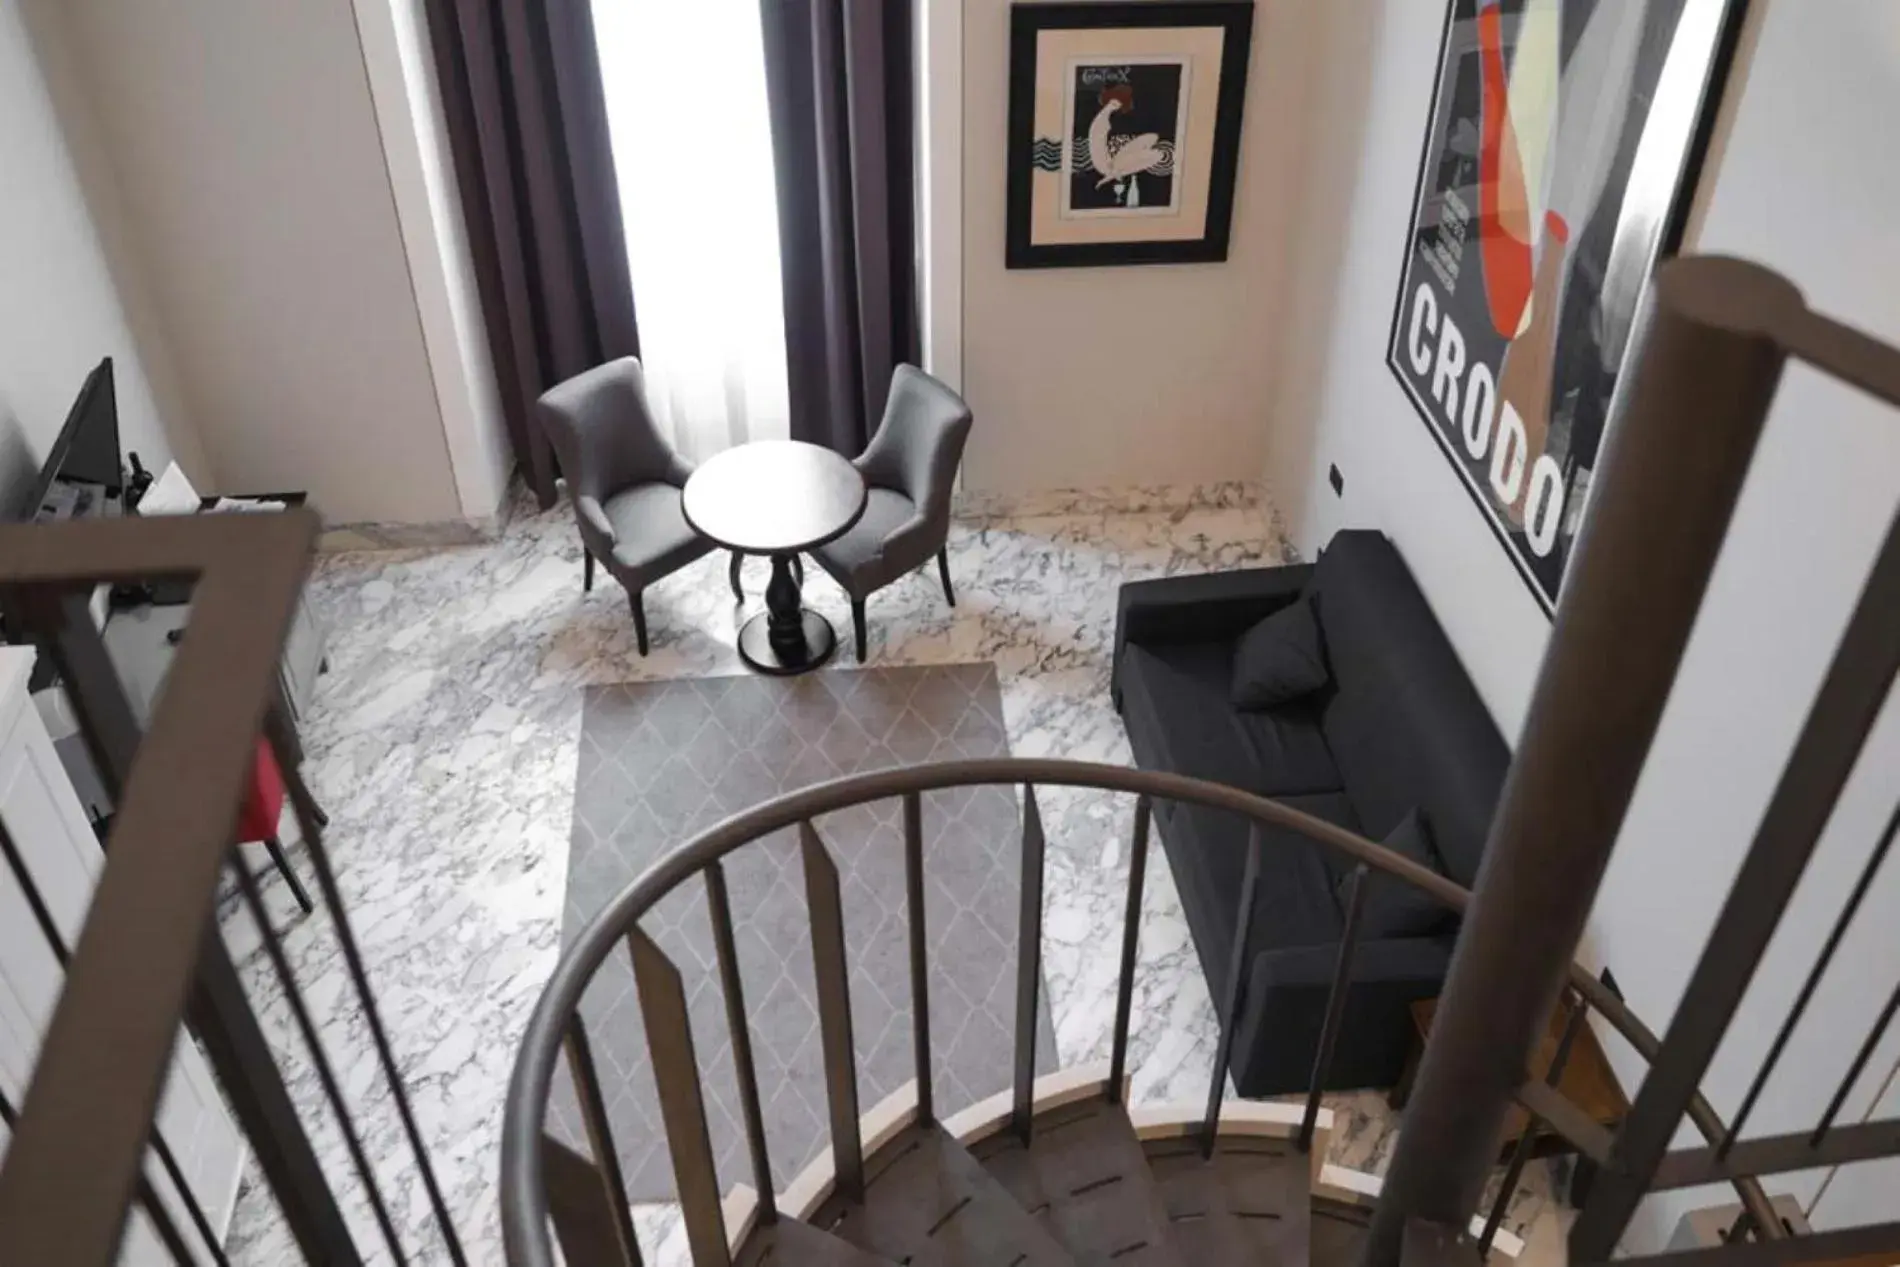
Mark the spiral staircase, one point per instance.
(1056, 1170)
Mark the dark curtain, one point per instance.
(839, 80)
(527, 127)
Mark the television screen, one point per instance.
(82, 469)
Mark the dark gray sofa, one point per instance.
(1400, 726)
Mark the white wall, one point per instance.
(1139, 375)
(1805, 182)
(59, 312)
(245, 147)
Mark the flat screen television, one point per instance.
(82, 474)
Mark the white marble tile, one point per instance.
(443, 744)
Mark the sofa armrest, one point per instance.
(1286, 1010)
(1201, 607)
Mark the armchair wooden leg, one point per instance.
(639, 619)
(587, 569)
(943, 571)
(275, 848)
(857, 626)
(732, 574)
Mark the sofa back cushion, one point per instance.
(1404, 723)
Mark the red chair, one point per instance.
(258, 817)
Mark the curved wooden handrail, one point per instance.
(524, 1206)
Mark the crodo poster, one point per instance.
(1558, 161)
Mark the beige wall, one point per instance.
(1805, 181)
(401, 65)
(1140, 375)
(258, 208)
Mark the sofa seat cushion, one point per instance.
(1294, 901)
(1175, 699)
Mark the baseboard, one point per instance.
(978, 504)
(341, 538)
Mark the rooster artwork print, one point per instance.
(1123, 129)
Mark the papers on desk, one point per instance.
(170, 494)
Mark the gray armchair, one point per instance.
(910, 468)
(623, 479)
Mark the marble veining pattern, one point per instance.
(443, 744)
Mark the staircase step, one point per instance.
(929, 1203)
(790, 1243)
(1250, 1203)
(1429, 1244)
(1339, 1235)
(1085, 1177)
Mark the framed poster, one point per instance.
(1563, 144)
(1124, 131)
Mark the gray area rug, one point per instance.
(662, 761)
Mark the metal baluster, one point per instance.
(1335, 1003)
(326, 1076)
(682, 1109)
(1864, 665)
(1521, 1154)
(600, 1137)
(719, 910)
(310, 822)
(217, 1012)
(1860, 1063)
(1236, 995)
(55, 942)
(1028, 968)
(1131, 934)
(581, 1209)
(919, 952)
(829, 974)
(1808, 987)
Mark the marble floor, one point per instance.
(443, 745)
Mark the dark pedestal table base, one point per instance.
(785, 638)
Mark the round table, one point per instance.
(777, 498)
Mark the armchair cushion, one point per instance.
(864, 559)
(651, 536)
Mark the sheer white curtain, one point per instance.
(686, 107)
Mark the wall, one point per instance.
(244, 141)
(1804, 181)
(401, 66)
(59, 312)
(1117, 376)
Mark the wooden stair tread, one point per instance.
(929, 1203)
(786, 1242)
(1085, 1177)
(1250, 1203)
(1429, 1244)
(1338, 1237)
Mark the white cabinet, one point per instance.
(43, 818)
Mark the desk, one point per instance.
(1587, 1082)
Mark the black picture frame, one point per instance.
(1235, 18)
(1636, 222)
